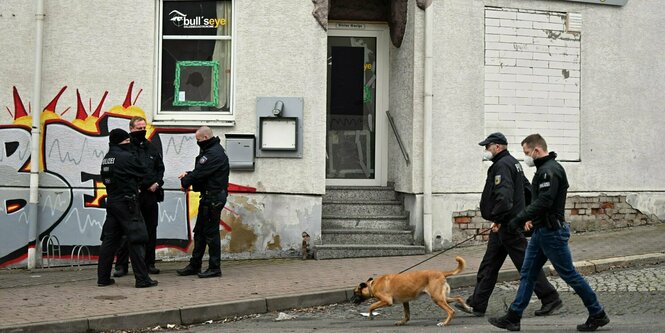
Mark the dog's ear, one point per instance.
(362, 285)
(370, 279)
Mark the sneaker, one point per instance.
(120, 271)
(472, 311)
(188, 270)
(510, 321)
(153, 270)
(549, 308)
(105, 283)
(593, 322)
(210, 273)
(146, 284)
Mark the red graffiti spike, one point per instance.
(98, 110)
(54, 101)
(239, 188)
(225, 226)
(19, 108)
(128, 99)
(80, 109)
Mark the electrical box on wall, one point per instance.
(240, 150)
(279, 124)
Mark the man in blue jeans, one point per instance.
(545, 215)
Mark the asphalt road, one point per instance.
(634, 299)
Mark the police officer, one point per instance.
(545, 215)
(121, 172)
(150, 193)
(210, 177)
(503, 197)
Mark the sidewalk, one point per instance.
(68, 300)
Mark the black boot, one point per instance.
(210, 273)
(153, 270)
(146, 284)
(548, 308)
(120, 271)
(593, 322)
(188, 270)
(510, 321)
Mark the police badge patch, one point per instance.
(202, 160)
(497, 179)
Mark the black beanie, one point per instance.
(118, 135)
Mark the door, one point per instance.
(356, 140)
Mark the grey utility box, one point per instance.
(279, 127)
(240, 150)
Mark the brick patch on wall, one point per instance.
(604, 212)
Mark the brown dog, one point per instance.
(405, 287)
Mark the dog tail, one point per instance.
(460, 266)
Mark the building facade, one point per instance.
(304, 88)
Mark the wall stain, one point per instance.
(242, 238)
(275, 244)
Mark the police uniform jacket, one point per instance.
(121, 172)
(211, 170)
(151, 157)
(503, 195)
(550, 186)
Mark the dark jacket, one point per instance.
(503, 195)
(211, 170)
(151, 157)
(550, 187)
(121, 172)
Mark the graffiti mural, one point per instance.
(71, 196)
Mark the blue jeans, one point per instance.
(551, 244)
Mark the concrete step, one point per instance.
(365, 208)
(355, 193)
(360, 236)
(388, 222)
(362, 250)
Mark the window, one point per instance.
(195, 76)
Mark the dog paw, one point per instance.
(400, 323)
(441, 324)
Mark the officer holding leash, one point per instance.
(545, 215)
(210, 177)
(121, 173)
(503, 198)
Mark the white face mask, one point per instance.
(487, 155)
(528, 160)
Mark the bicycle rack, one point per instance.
(52, 246)
(77, 249)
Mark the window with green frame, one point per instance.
(195, 58)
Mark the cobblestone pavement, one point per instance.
(633, 298)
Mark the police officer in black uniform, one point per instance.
(210, 177)
(503, 197)
(545, 215)
(121, 172)
(150, 193)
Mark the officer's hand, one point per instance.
(528, 225)
(495, 227)
(182, 175)
(153, 187)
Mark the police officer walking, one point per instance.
(503, 197)
(210, 177)
(121, 172)
(150, 193)
(545, 215)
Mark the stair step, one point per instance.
(386, 207)
(346, 193)
(394, 222)
(367, 236)
(363, 250)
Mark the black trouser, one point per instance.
(150, 212)
(118, 216)
(206, 231)
(501, 244)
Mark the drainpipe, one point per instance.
(33, 213)
(427, 132)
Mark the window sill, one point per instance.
(193, 122)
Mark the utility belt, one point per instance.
(553, 223)
(213, 198)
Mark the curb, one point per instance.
(218, 311)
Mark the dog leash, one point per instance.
(450, 248)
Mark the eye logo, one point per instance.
(177, 18)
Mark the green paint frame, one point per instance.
(215, 82)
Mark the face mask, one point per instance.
(487, 155)
(528, 160)
(138, 135)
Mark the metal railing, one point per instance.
(399, 139)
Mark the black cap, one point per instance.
(118, 135)
(497, 137)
